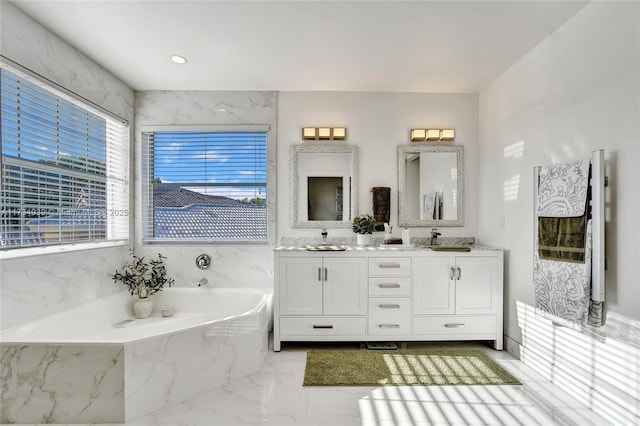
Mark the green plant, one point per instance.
(363, 224)
(144, 278)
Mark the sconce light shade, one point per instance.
(324, 133)
(418, 135)
(339, 133)
(309, 133)
(433, 134)
(447, 134)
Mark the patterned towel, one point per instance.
(562, 191)
(563, 289)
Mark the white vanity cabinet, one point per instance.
(389, 312)
(455, 285)
(388, 295)
(458, 297)
(320, 298)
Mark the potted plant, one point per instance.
(363, 225)
(143, 279)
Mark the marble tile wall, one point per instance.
(233, 265)
(36, 286)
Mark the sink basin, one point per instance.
(326, 247)
(450, 248)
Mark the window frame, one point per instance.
(146, 168)
(114, 229)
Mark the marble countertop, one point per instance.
(380, 247)
(377, 244)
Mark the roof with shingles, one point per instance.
(180, 197)
(202, 217)
(225, 222)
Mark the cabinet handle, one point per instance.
(389, 326)
(455, 325)
(389, 265)
(326, 274)
(389, 306)
(389, 285)
(459, 273)
(451, 273)
(319, 274)
(322, 326)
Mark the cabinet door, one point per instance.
(345, 286)
(476, 285)
(433, 285)
(300, 286)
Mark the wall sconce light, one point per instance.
(421, 135)
(447, 134)
(324, 133)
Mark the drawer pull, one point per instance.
(455, 325)
(389, 306)
(322, 326)
(389, 285)
(389, 265)
(389, 326)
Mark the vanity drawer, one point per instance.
(389, 266)
(390, 286)
(322, 326)
(454, 325)
(389, 315)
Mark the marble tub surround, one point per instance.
(376, 240)
(122, 374)
(62, 383)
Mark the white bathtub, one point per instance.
(76, 366)
(96, 322)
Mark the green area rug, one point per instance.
(396, 368)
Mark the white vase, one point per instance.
(142, 308)
(363, 240)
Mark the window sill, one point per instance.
(36, 251)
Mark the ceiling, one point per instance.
(392, 46)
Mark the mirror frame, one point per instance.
(418, 148)
(295, 182)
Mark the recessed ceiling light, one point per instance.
(179, 59)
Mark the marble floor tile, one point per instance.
(275, 396)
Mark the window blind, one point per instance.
(205, 186)
(64, 167)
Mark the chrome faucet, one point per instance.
(434, 236)
(203, 282)
(324, 235)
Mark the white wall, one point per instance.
(233, 265)
(577, 91)
(377, 123)
(36, 286)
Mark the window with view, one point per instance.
(205, 186)
(63, 168)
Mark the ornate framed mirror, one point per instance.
(430, 185)
(324, 185)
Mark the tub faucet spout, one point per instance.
(203, 282)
